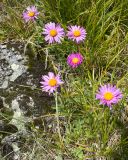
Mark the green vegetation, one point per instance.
(89, 130)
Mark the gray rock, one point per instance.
(12, 65)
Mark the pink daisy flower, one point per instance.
(108, 95)
(76, 33)
(51, 82)
(31, 13)
(53, 33)
(74, 60)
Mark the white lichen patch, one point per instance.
(18, 118)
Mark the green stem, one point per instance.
(57, 118)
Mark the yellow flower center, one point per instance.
(53, 32)
(75, 60)
(77, 33)
(31, 14)
(52, 82)
(108, 96)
